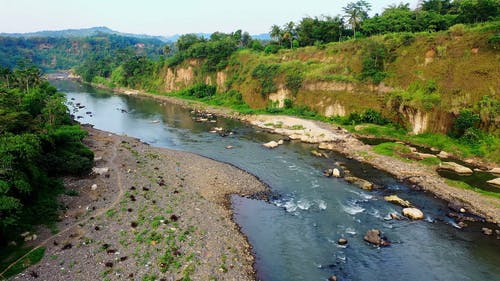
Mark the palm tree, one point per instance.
(290, 32)
(356, 12)
(276, 33)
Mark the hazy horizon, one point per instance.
(161, 18)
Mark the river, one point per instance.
(294, 236)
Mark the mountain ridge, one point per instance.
(90, 31)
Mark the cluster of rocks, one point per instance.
(221, 131)
(273, 144)
(201, 116)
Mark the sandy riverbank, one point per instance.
(155, 213)
(337, 139)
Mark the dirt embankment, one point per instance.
(152, 214)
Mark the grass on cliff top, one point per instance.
(463, 185)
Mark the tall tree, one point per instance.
(356, 12)
(275, 33)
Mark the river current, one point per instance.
(294, 236)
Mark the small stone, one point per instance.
(373, 236)
(93, 187)
(487, 231)
(280, 142)
(495, 182)
(342, 241)
(394, 216)
(229, 147)
(454, 167)
(462, 210)
(462, 224)
(332, 278)
(336, 173)
(271, 144)
(413, 213)
(364, 184)
(328, 172)
(396, 200)
(443, 154)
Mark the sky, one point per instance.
(166, 17)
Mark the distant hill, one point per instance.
(86, 32)
(82, 32)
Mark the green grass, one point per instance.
(463, 185)
(31, 259)
(489, 148)
(391, 149)
(430, 161)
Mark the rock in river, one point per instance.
(413, 213)
(397, 200)
(454, 167)
(271, 144)
(364, 184)
(374, 236)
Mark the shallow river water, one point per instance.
(294, 236)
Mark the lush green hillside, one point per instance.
(57, 53)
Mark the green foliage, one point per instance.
(272, 49)
(37, 144)
(265, 74)
(369, 116)
(201, 90)
(374, 56)
(32, 258)
(465, 121)
(419, 95)
(294, 80)
(50, 53)
(391, 149)
(312, 31)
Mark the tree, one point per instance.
(356, 12)
(276, 33)
(289, 32)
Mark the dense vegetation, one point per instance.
(38, 143)
(60, 53)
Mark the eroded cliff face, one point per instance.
(178, 78)
(327, 98)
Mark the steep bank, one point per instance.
(153, 213)
(422, 82)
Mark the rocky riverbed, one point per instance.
(332, 137)
(148, 214)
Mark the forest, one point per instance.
(39, 143)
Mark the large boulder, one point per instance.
(397, 200)
(495, 182)
(374, 237)
(271, 144)
(364, 184)
(454, 167)
(413, 213)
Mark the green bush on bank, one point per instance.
(38, 143)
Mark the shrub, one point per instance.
(294, 81)
(457, 29)
(201, 90)
(271, 49)
(374, 56)
(288, 103)
(265, 75)
(466, 120)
